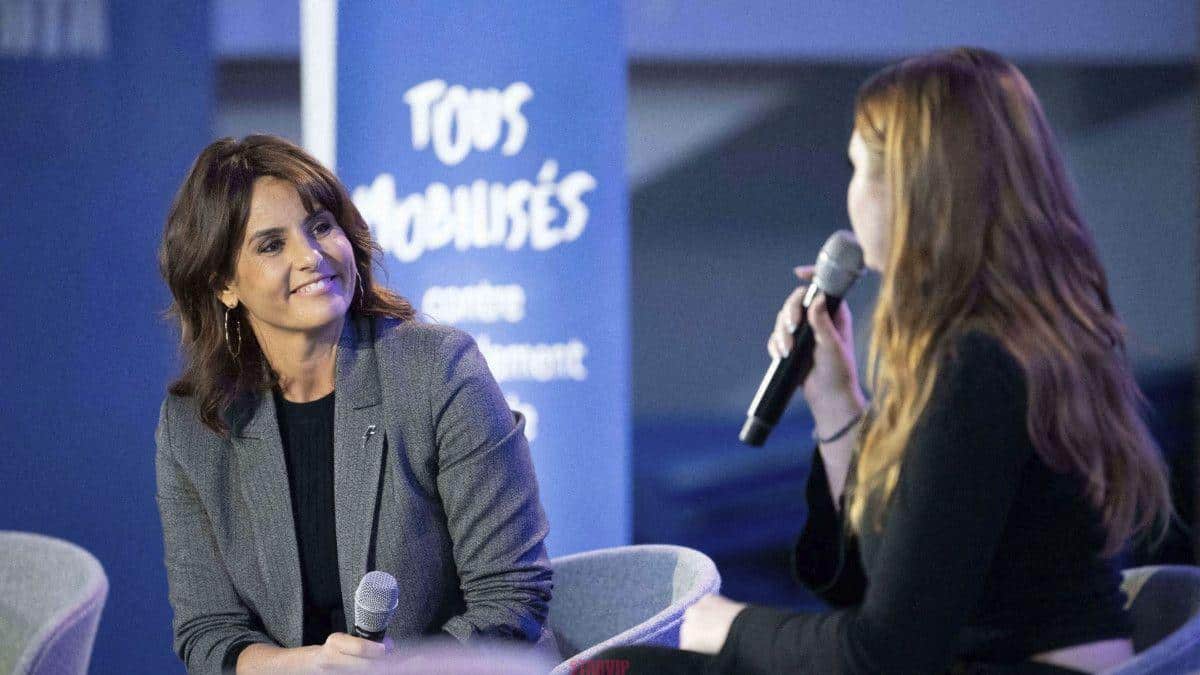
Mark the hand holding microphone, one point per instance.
(809, 347)
(349, 654)
(364, 649)
(832, 386)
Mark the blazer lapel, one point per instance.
(357, 455)
(264, 484)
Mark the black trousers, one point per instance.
(639, 660)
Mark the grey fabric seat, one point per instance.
(1164, 602)
(51, 595)
(624, 596)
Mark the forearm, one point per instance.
(829, 416)
(513, 611)
(210, 649)
(265, 658)
(766, 640)
(826, 558)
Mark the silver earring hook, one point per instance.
(229, 344)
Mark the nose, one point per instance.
(310, 254)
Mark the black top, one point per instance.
(986, 554)
(306, 430)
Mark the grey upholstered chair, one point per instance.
(51, 596)
(492, 658)
(624, 596)
(1164, 602)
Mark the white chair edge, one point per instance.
(638, 635)
(66, 618)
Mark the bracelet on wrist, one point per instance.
(839, 433)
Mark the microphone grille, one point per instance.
(375, 601)
(839, 264)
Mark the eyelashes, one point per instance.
(275, 244)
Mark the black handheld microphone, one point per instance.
(375, 602)
(838, 266)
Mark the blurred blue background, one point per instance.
(737, 120)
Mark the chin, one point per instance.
(313, 321)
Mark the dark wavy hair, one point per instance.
(198, 256)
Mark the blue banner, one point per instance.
(483, 142)
(108, 102)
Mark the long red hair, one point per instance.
(986, 235)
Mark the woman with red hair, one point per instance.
(965, 519)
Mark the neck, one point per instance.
(306, 363)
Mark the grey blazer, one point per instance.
(433, 483)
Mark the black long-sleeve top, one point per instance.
(985, 555)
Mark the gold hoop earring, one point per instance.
(229, 345)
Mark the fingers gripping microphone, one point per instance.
(838, 266)
(374, 604)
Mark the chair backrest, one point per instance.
(1164, 603)
(51, 595)
(625, 595)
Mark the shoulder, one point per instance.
(978, 387)
(177, 440)
(415, 336)
(978, 363)
(974, 422)
(427, 352)
(175, 412)
(180, 429)
(446, 364)
(977, 347)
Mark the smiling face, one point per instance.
(868, 201)
(295, 271)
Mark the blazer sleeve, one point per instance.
(489, 491)
(210, 619)
(960, 474)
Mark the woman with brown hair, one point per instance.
(963, 520)
(319, 431)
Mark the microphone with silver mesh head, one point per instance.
(838, 266)
(374, 604)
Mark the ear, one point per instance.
(228, 296)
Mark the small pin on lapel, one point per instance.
(366, 435)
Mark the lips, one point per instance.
(315, 286)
